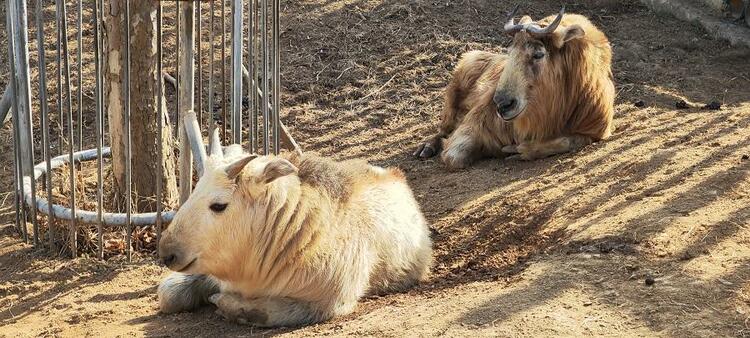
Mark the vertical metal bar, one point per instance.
(22, 92)
(186, 94)
(58, 63)
(264, 43)
(276, 75)
(237, 71)
(199, 22)
(252, 93)
(5, 103)
(224, 96)
(177, 70)
(17, 167)
(128, 145)
(44, 114)
(18, 177)
(212, 57)
(69, 106)
(99, 9)
(80, 73)
(18, 171)
(159, 122)
(58, 76)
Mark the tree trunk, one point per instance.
(143, 105)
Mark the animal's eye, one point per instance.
(538, 55)
(218, 207)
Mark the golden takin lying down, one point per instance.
(552, 93)
(291, 240)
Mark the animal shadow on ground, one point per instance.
(25, 267)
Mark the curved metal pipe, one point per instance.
(82, 216)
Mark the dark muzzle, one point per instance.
(506, 105)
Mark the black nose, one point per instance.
(504, 102)
(169, 259)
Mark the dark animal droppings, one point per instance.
(650, 280)
(681, 104)
(713, 106)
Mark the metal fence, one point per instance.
(254, 34)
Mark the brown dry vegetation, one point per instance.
(560, 246)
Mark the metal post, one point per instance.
(159, 122)
(186, 93)
(44, 115)
(58, 76)
(99, 10)
(128, 145)
(237, 71)
(264, 43)
(17, 167)
(69, 115)
(80, 73)
(199, 22)
(177, 67)
(224, 96)
(22, 92)
(212, 58)
(5, 103)
(276, 75)
(252, 93)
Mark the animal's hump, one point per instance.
(324, 174)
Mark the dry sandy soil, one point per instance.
(561, 246)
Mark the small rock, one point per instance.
(639, 104)
(714, 105)
(649, 280)
(681, 104)
(587, 303)
(725, 282)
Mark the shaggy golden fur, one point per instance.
(565, 99)
(300, 239)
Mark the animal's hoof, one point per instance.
(214, 299)
(453, 163)
(228, 306)
(425, 151)
(510, 149)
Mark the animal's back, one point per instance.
(400, 234)
(378, 218)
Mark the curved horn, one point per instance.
(215, 144)
(510, 26)
(193, 132)
(513, 12)
(535, 29)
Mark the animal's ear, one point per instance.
(233, 170)
(562, 36)
(277, 168)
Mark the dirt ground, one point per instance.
(556, 247)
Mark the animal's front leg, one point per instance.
(431, 147)
(265, 312)
(180, 292)
(536, 150)
(460, 149)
